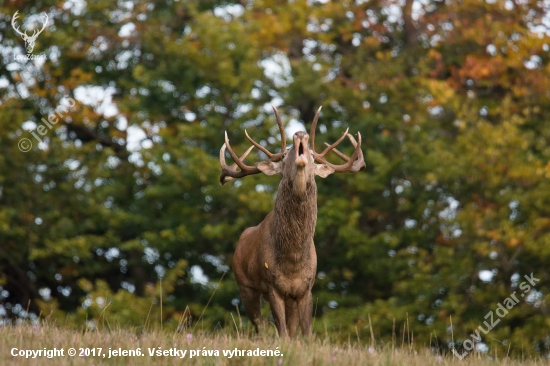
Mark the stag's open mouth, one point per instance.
(300, 143)
(301, 149)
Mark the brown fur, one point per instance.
(277, 258)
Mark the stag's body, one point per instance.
(277, 258)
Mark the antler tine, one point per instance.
(229, 172)
(353, 164)
(241, 165)
(330, 147)
(36, 32)
(281, 130)
(260, 147)
(312, 129)
(13, 18)
(360, 161)
(224, 178)
(339, 153)
(271, 156)
(45, 23)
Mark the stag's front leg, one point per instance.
(291, 313)
(277, 304)
(305, 311)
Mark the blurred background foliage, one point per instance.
(119, 208)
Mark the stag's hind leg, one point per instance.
(252, 306)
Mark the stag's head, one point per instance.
(299, 164)
(29, 40)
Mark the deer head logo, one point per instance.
(29, 40)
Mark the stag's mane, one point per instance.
(294, 216)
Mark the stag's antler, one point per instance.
(230, 172)
(279, 155)
(37, 32)
(13, 18)
(353, 164)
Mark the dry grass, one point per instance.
(311, 351)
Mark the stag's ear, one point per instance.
(269, 167)
(323, 170)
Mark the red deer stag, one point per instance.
(277, 258)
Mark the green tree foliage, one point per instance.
(448, 218)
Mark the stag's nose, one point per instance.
(301, 135)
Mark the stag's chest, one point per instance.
(291, 285)
(290, 277)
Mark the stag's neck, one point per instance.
(295, 216)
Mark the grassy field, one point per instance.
(206, 349)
